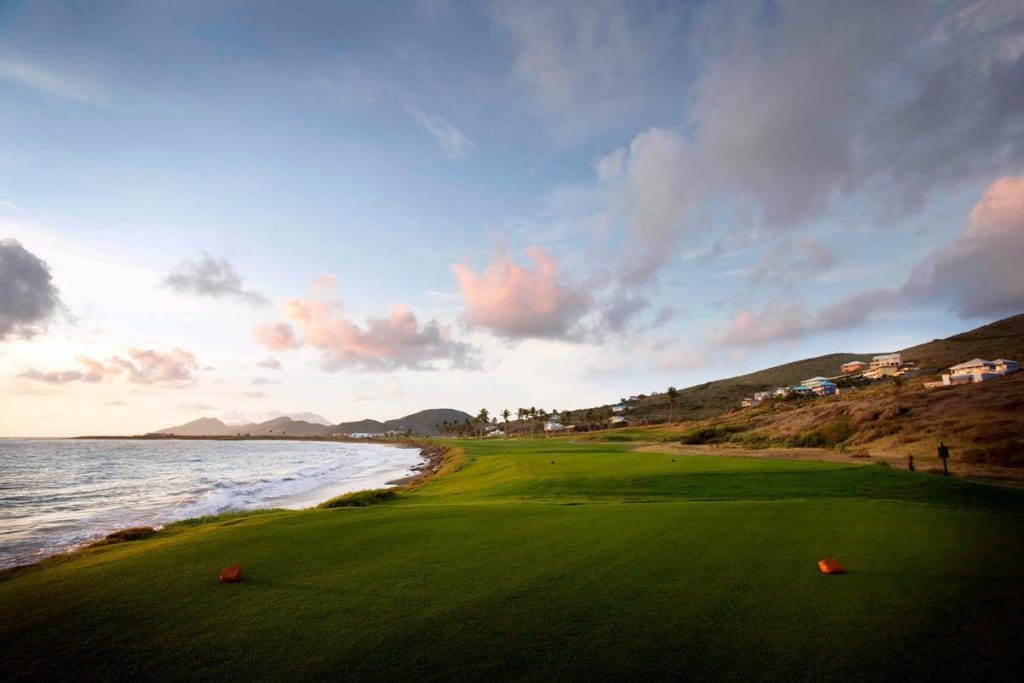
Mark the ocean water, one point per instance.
(56, 495)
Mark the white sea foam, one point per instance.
(56, 495)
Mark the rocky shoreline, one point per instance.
(433, 459)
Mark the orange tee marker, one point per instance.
(830, 566)
(231, 574)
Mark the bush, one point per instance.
(359, 499)
(828, 435)
(706, 435)
(1009, 453)
(135, 533)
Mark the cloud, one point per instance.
(208, 276)
(28, 298)
(276, 336)
(584, 66)
(253, 395)
(518, 302)
(75, 88)
(981, 273)
(780, 320)
(143, 366)
(789, 117)
(649, 183)
(792, 261)
(270, 364)
(978, 275)
(397, 341)
(453, 142)
(260, 381)
(196, 406)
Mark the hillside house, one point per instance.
(782, 392)
(1005, 366)
(618, 421)
(762, 395)
(552, 426)
(822, 386)
(977, 370)
(853, 366)
(888, 360)
(801, 390)
(750, 402)
(620, 408)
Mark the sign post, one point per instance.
(944, 456)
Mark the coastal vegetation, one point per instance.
(554, 558)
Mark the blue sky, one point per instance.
(566, 202)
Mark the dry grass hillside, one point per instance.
(983, 424)
(1001, 339)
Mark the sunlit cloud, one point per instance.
(515, 301)
(396, 341)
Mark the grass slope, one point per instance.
(602, 563)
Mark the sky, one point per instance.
(363, 209)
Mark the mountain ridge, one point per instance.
(423, 422)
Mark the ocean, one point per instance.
(59, 494)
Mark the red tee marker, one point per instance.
(231, 574)
(830, 566)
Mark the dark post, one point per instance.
(910, 463)
(944, 455)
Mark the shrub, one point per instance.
(1009, 453)
(830, 434)
(705, 435)
(135, 533)
(358, 499)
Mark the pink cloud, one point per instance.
(778, 321)
(398, 340)
(514, 301)
(143, 366)
(980, 273)
(275, 336)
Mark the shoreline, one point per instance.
(431, 461)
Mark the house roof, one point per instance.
(1004, 360)
(977, 362)
(855, 362)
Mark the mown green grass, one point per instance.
(605, 563)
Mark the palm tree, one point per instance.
(673, 396)
(505, 414)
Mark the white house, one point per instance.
(618, 420)
(620, 408)
(979, 370)
(551, 426)
(782, 392)
(1005, 366)
(888, 360)
(762, 395)
(750, 402)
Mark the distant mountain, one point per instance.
(279, 426)
(425, 422)
(312, 418)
